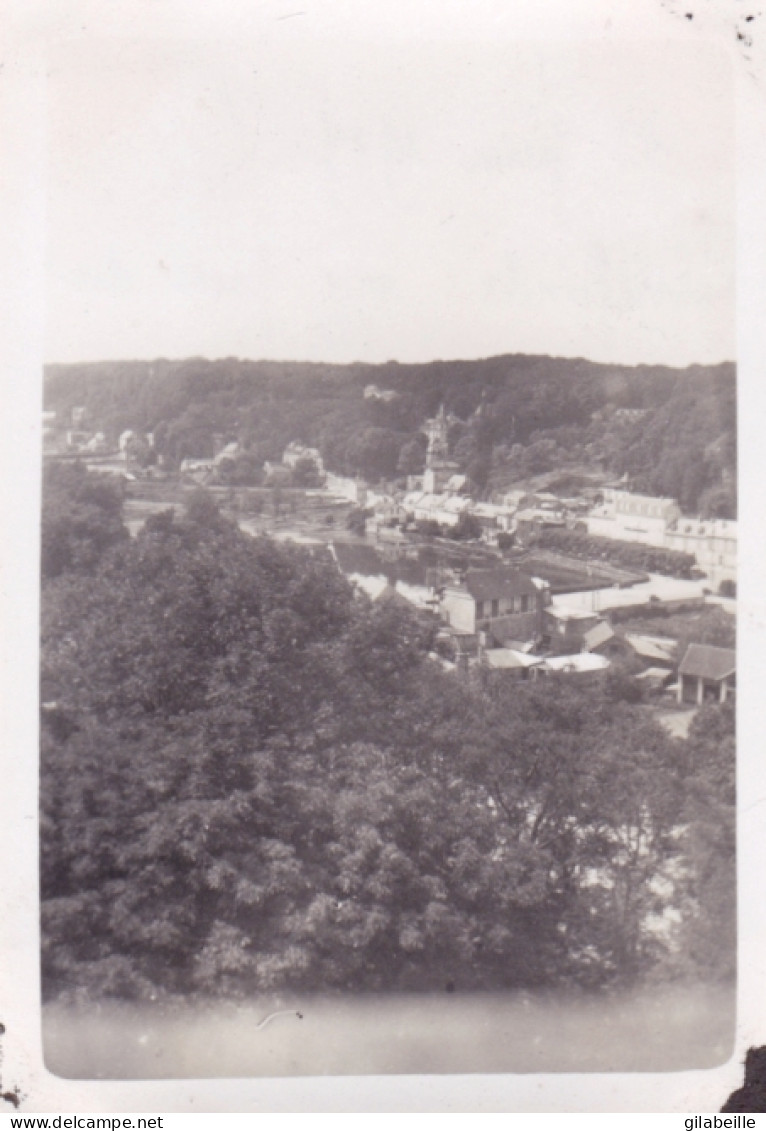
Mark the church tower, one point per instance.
(439, 467)
(437, 431)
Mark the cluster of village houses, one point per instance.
(440, 496)
(507, 619)
(74, 437)
(504, 617)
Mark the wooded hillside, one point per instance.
(672, 431)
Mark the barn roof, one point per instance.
(708, 662)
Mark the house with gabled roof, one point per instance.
(707, 673)
(502, 601)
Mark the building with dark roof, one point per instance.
(707, 673)
(503, 601)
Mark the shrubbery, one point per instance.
(634, 555)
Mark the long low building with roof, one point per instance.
(526, 665)
(424, 506)
(633, 518)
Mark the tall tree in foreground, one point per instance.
(255, 780)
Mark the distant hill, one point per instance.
(673, 431)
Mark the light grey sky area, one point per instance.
(353, 195)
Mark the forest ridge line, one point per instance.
(670, 432)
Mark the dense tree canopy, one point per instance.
(253, 778)
(81, 519)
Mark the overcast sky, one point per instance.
(299, 193)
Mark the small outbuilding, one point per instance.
(707, 673)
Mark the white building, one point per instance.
(494, 519)
(633, 518)
(712, 541)
(343, 486)
(372, 392)
(514, 499)
(659, 522)
(445, 509)
(296, 451)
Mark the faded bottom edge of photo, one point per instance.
(656, 1029)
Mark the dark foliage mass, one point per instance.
(673, 432)
(706, 625)
(253, 779)
(634, 555)
(81, 518)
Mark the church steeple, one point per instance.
(439, 467)
(437, 430)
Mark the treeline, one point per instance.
(254, 779)
(672, 431)
(634, 555)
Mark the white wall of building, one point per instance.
(459, 609)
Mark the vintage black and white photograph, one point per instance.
(388, 551)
